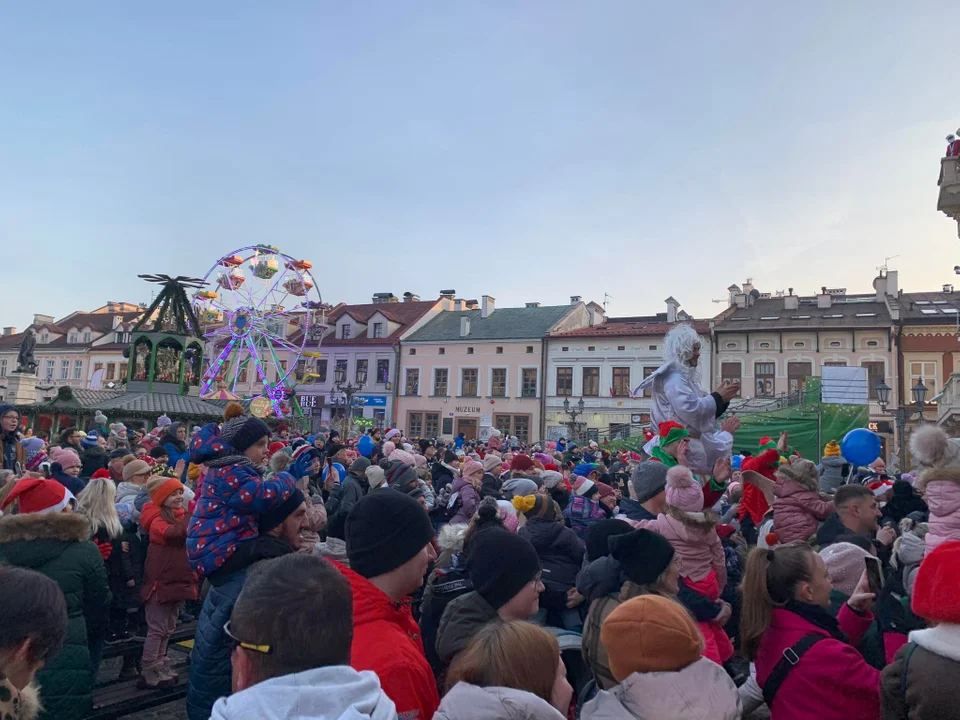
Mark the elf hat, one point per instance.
(671, 432)
(767, 444)
(39, 496)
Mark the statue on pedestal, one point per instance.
(26, 363)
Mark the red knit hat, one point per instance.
(39, 496)
(274, 447)
(522, 462)
(935, 589)
(605, 490)
(101, 474)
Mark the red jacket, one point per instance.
(166, 573)
(754, 502)
(386, 639)
(832, 680)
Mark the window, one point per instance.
(469, 351)
(72, 338)
(872, 343)
(87, 337)
(322, 370)
(647, 372)
(448, 426)
(48, 369)
(731, 346)
(97, 366)
(412, 351)
(415, 424)
(621, 347)
(242, 375)
(764, 345)
(64, 369)
(621, 382)
(361, 371)
(499, 350)
(926, 371)
(383, 371)
(498, 382)
(528, 384)
(283, 367)
(411, 381)
(765, 376)
(468, 382)
(3, 367)
(521, 427)
(799, 344)
(591, 382)
(122, 373)
(652, 347)
(730, 371)
(503, 423)
(431, 424)
(591, 348)
(111, 371)
(875, 372)
(530, 349)
(440, 377)
(564, 349)
(378, 330)
(797, 374)
(565, 381)
(834, 343)
(345, 331)
(442, 351)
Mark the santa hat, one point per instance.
(305, 450)
(671, 432)
(274, 447)
(582, 485)
(39, 496)
(393, 432)
(683, 491)
(880, 487)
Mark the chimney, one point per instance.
(448, 294)
(487, 306)
(8, 331)
(574, 299)
(947, 288)
(791, 301)
(464, 326)
(458, 305)
(740, 300)
(880, 285)
(533, 305)
(471, 304)
(39, 319)
(824, 300)
(117, 322)
(384, 297)
(748, 286)
(892, 282)
(410, 297)
(672, 307)
(732, 293)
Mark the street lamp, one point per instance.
(902, 415)
(348, 390)
(573, 413)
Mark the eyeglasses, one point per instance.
(237, 642)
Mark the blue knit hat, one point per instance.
(91, 440)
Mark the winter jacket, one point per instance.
(176, 450)
(581, 513)
(461, 620)
(469, 499)
(71, 483)
(333, 548)
(694, 537)
(227, 513)
(930, 690)
(941, 489)
(700, 691)
(336, 692)
(909, 556)
(632, 510)
(167, 576)
(599, 578)
(445, 584)
(559, 549)
(441, 475)
(12, 453)
(905, 500)
(491, 486)
(798, 511)
(832, 681)
(470, 702)
(18, 704)
(58, 545)
(386, 639)
(342, 500)
(127, 493)
(93, 459)
(754, 502)
(831, 473)
(594, 652)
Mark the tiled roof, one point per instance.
(628, 329)
(162, 403)
(845, 312)
(400, 312)
(95, 321)
(526, 323)
(931, 308)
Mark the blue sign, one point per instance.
(372, 400)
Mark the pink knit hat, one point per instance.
(845, 564)
(471, 470)
(66, 457)
(508, 514)
(683, 491)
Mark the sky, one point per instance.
(526, 150)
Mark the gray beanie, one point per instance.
(551, 478)
(649, 479)
(521, 486)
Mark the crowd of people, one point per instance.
(380, 576)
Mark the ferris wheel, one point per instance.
(257, 319)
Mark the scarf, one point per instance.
(816, 615)
(659, 454)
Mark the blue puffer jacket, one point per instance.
(210, 668)
(171, 445)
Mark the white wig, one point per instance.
(679, 343)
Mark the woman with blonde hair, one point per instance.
(509, 670)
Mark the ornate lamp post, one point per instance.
(348, 390)
(573, 412)
(902, 414)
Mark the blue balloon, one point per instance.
(735, 462)
(365, 446)
(860, 446)
(340, 469)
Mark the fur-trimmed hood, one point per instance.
(931, 447)
(450, 537)
(19, 704)
(67, 527)
(938, 474)
(701, 521)
(802, 472)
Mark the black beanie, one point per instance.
(500, 564)
(450, 457)
(274, 518)
(599, 532)
(244, 432)
(643, 555)
(384, 530)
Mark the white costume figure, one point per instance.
(678, 396)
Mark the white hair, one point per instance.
(678, 347)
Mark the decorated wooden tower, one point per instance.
(167, 346)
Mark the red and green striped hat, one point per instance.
(671, 432)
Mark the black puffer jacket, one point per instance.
(491, 486)
(559, 549)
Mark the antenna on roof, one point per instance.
(606, 301)
(884, 268)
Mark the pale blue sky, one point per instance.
(528, 150)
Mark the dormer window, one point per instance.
(377, 330)
(72, 338)
(87, 337)
(345, 331)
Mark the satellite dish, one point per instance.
(755, 294)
